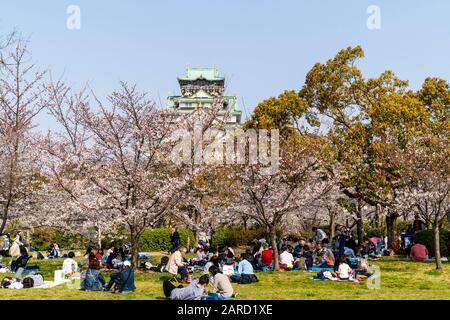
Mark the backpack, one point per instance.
(248, 278)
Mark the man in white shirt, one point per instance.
(286, 259)
(70, 266)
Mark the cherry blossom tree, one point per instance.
(115, 161)
(20, 102)
(272, 199)
(425, 177)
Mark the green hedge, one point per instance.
(427, 238)
(42, 238)
(403, 226)
(158, 239)
(236, 236)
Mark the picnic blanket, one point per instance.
(316, 268)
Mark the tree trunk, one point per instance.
(332, 225)
(244, 220)
(197, 238)
(134, 238)
(437, 245)
(99, 237)
(391, 226)
(273, 241)
(359, 223)
(4, 217)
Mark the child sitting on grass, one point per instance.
(344, 271)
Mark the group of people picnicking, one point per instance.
(88, 269)
(342, 257)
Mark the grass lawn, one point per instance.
(399, 280)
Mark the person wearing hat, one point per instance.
(94, 280)
(123, 280)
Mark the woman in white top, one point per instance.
(286, 258)
(344, 270)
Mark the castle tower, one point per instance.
(200, 87)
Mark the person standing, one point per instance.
(175, 240)
(14, 251)
(6, 244)
(319, 235)
(418, 224)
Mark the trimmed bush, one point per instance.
(158, 239)
(42, 238)
(403, 226)
(371, 231)
(427, 238)
(236, 236)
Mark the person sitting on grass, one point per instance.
(70, 266)
(214, 261)
(327, 260)
(122, 280)
(344, 271)
(194, 291)
(266, 256)
(221, 282)
(54, 251)
(286, 259)
(200, 256)
(245, 272)
(210, 252)
(299, 248)
(18, 265)
(176, 265)
(99, 254)
(94, 280)
(306, 260)
(419, 252)
(112, 258)
(85, 260)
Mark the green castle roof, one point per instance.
(198, 73)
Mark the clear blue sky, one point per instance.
(262, 46)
